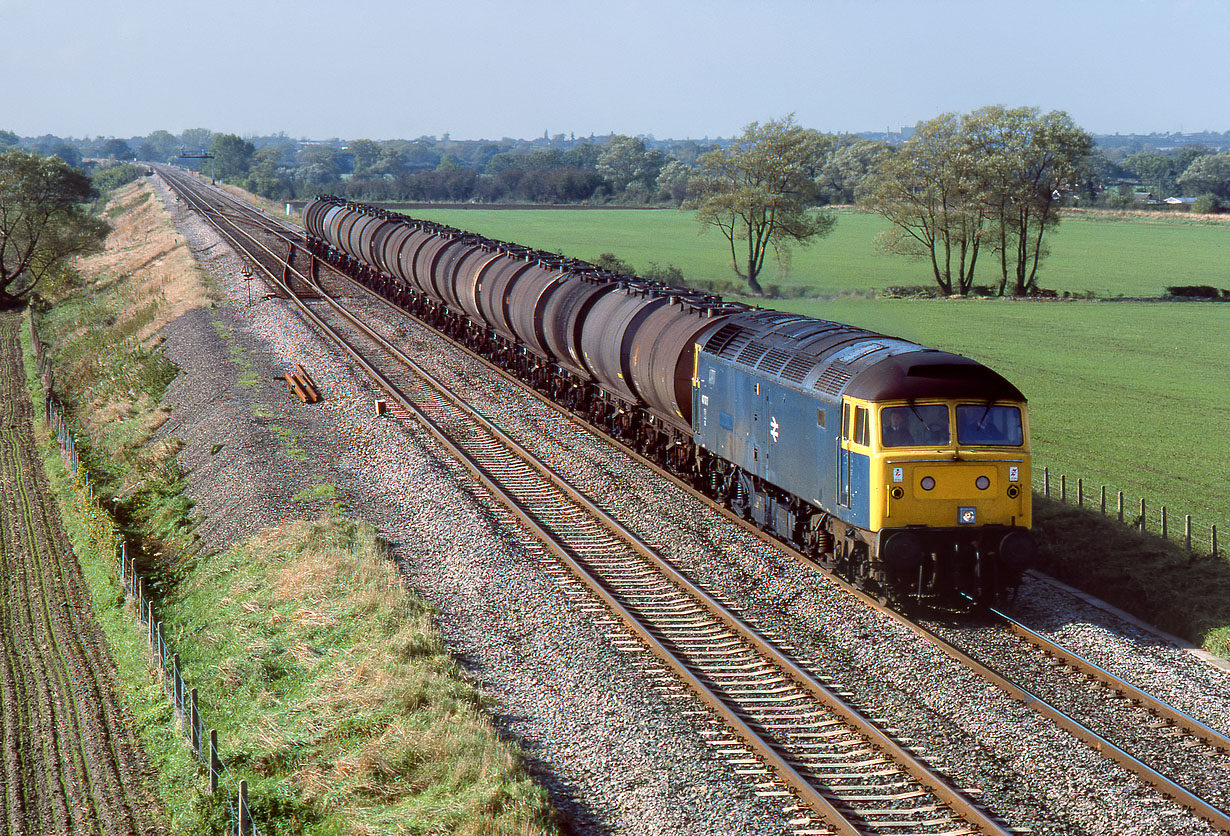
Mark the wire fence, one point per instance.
(1199, 540)
(202, 740)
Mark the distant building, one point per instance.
(1179, 201)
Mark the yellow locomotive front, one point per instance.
(949, 495)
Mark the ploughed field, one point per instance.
(71, 760)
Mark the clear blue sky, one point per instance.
(671, 68)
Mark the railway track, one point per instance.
(789, 724)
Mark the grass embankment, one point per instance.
(1154, 579)
(330, 688)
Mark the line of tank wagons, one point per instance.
(903, 468)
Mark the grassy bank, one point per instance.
(331, 690)
(1155, 580)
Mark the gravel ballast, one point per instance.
(605, 731)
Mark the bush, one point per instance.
(1202, 291)
(611, 262)
(1206, 204)
(111, 178)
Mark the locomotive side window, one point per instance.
(914, 426)
(998, 426)
(860, 425)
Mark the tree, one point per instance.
(759, 193)
(42, 224)
(928, 190)
(626, 161)
(995, 177)
(673, 181)
(232, 156)
(849, 169)
(366, 154)
(9, 139)
(160, 146)
(1025, 163)
(194, 140)
(1209, 174)
(116, 149)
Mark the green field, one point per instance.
(1133, 395)
(1137, 257)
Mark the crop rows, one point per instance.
(71, 762)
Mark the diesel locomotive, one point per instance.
(902, 468)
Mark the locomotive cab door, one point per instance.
(853, 461)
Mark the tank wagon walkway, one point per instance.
(71, 760)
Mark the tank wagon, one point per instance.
(903, 468)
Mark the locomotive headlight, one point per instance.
(983, 483)
(927, 483)
(896, 493)
(1013, 491)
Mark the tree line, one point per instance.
(970, 195)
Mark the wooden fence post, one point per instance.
(1080, 492)
(1104, 500)
(1165, 528)
(1120, 506)
(1063, 487)
(245, 818)
(177, 689)
(1143, 525)
(195, 720)
(1187, 532)
(1046, 481)
(214, 766)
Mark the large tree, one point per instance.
(929, 191)
(42, 224)
(992, 179)
(626, 161)
(760, 194)
(1025, 162)
(1209, 174)
(232, 156)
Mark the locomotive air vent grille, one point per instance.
(773, 362)
(724, 337)
(833, 379)
(798, 368)
(751, 353)
(732, 347)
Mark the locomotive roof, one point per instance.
(836, 359)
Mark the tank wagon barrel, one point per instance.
(901, 467)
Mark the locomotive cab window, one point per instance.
(985, 424)
(914, 426)
(861, 434)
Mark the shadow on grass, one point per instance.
(1155, 580)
